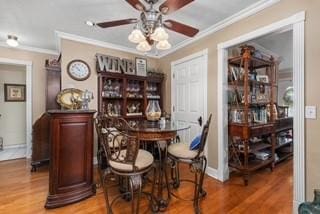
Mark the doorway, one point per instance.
(25, 122)
(12, 112)
(296, 24)
(189, 93)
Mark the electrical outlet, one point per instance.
(311, 112)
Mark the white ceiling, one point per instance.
(35, 21)
(280, 43)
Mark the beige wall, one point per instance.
(38, 75)
(74, 50)
(283, 9)
(13, 114)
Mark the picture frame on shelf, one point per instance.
(263, 78)
(141, 66)
(14, 92)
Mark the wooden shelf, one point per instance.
(283, 145)
(253, 164)
(251, 82)
(113, 98)
(283, 155)
(135, 98)
(254, 62)
(255, 147)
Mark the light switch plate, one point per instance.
(311, 112)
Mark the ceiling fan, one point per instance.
(149, 28)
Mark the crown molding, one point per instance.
(29, 48)
(73, 37)
(248, 11)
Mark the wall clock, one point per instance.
(78, 70)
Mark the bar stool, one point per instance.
(180, 152)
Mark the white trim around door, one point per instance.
(28, 65)
(203, 53)
(296, 24)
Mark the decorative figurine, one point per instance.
(86, 97)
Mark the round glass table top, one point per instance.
(148, 126)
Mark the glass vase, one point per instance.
(153, 111)
(311, 207)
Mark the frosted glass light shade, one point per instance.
(136, 36)
(143, 46)
(12, 41)
(163, 45)
(159, 34)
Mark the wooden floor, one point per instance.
(268, 192)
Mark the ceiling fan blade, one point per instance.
(117, 23)
(170, 6)
(180, 28)
(136, 4)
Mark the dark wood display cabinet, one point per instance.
(127, 96)
(71, 157)
(40, 129)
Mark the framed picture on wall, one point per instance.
(14, 93)
(141, 66)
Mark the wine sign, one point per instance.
(114, 64)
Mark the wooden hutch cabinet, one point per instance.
(127, 96)
(71, 157)
(252, 112)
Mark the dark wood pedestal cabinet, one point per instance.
(71, 157)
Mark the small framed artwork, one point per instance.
(141, 66)
(263, 78)
(14, 93)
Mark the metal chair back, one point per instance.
(120, 147)
(204, 136)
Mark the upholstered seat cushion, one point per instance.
(144, 160)
(182, 150)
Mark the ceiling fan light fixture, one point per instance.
(159, 34)
(163, 45)
(143, 46)
(136, 36)
(90, 23)
(12, 41)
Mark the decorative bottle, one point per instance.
(311, 207)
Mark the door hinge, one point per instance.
(173, 75)
(173, 108)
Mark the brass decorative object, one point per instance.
(70, 98)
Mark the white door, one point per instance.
(189, 94)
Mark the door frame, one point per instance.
(28, 65)
(296, 24)
(203, 53)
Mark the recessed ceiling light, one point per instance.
(12, 41)
(90, 23)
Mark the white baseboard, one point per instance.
(295, 206)
(212, 172)
(15, 146)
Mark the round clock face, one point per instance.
(78, 70)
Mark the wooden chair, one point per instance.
(127, 161)
(180, 152)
